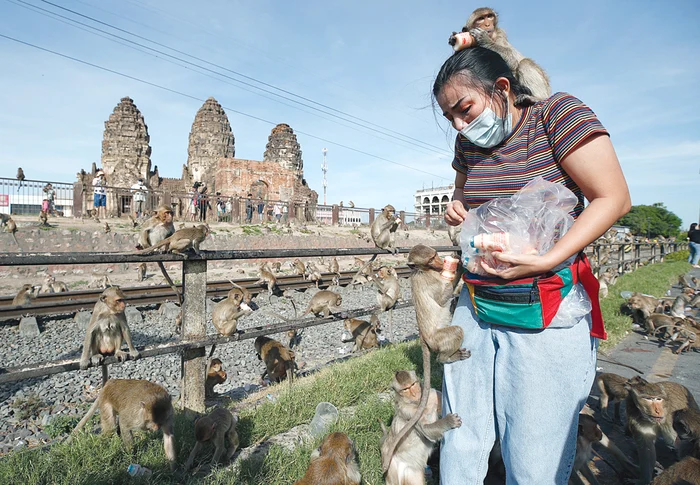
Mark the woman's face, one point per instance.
(461, 102)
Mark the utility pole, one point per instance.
(324, 169)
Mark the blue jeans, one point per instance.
(525, 386)
(694, 253)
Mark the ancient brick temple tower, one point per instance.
(126, 153)
(211, 138)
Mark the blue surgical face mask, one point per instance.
(488, 130)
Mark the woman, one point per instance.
(521, 386)
(694, 245)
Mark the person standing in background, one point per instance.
(139, 197)
(694, 245)
(100, 194)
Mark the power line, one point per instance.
(201, 100)
(250, 78)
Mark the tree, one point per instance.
(651, 221)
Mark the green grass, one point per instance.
(252, 230)
(654, 279)
(356, 383)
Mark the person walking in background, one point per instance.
(49, 198)
(694, 245)
(249, 209)
(261, 209)
(139, 197)
(277, 211)
(100, 194)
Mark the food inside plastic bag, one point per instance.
(531, 221)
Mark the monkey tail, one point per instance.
(85, 419)
(615, 362)
(386, 459)
(363, 268)
(170, 282)
(16, 241)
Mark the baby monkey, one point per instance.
(334, 462)
(215, 375)
(217, 427)
(278, 359)
(362, 332)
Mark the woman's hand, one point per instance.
(522, 265)
(455, 213)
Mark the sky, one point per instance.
(357, 78)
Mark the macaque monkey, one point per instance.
(432, 294)
(246, 296)
(650, 408)
(608, 278)
(50, 285)
(383, 229)
(216, 427)
(140, 405)
(24, 296)
(333, 463)
(20, 177)
(11, 227)
(100, 282)
(688, 337)
(43, 219)
(299, 268)
(454, 233)
(642, 306)
(679, 304)
(406, 460)
(268, 279)
(482, 24)
(389, 292)
(278, 359)
(159, 227)
(362, 332)
(686, 423)
(611, 386)
(107, 228)
(4, 218)
(134, 224)
(589, 433)
(334, 266)
(180, 241)
(364, 273)
(226, 313)
(141, 271)
(277, 266)
(313, 273)
(323, 303)
(215, 375)
(107, 329)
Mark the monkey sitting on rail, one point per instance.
(107, 329)
(180, 241)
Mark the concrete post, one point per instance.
(236, 210)
(427, 220)
(335, 215)
(371, 216)
(194, 279)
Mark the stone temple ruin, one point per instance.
(210, 159)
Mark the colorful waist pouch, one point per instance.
(532, 303)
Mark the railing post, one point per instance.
(637, 255)
(194, 318)
(371, 215)
(335, 214)
(621, 258)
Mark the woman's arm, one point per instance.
(455, 213)
(596, 170)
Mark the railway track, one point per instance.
(73, 301)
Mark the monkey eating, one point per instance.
(333, 463)
(180, 241)
(107, 330)
(215, 375)
(24, 296)
(268, 278)
(482, 25)
(11, 227)
(383, 230)
(278, 359)
(228, 311)
(389, 291)
(406, 460)
(139, 404)
(362, 332)
(217, 427)
(650, 408)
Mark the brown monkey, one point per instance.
(389, 292)
(217, 427)
(432, 294)
(43, 218)
(299, 268)
(406, 463)
(589, 433)
(100, 282)
(11, 227)
(688, 337)
(246, 296)
(24, 296)
(333, 463)
(4, 219)
(50, 285)
(334, 266)
(454, 233)
(686, 423)
(141, 271)
(383, 229)
(268, 279)
(642, 306)
(324, 303)
(226, 313)
(140, 405)
(650, 408)
(107, 228)
(215, 375)
(482, 24)
(180, 241)
(611, 386)
(362, 332)
(107, 329)
(278, 359)
(20, 177)
(679, 304)
(159, 227)
(313, 273)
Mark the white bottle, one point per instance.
(136, 470)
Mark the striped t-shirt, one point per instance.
(547, 132)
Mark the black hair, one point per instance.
(693, 226)
(479, 68)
